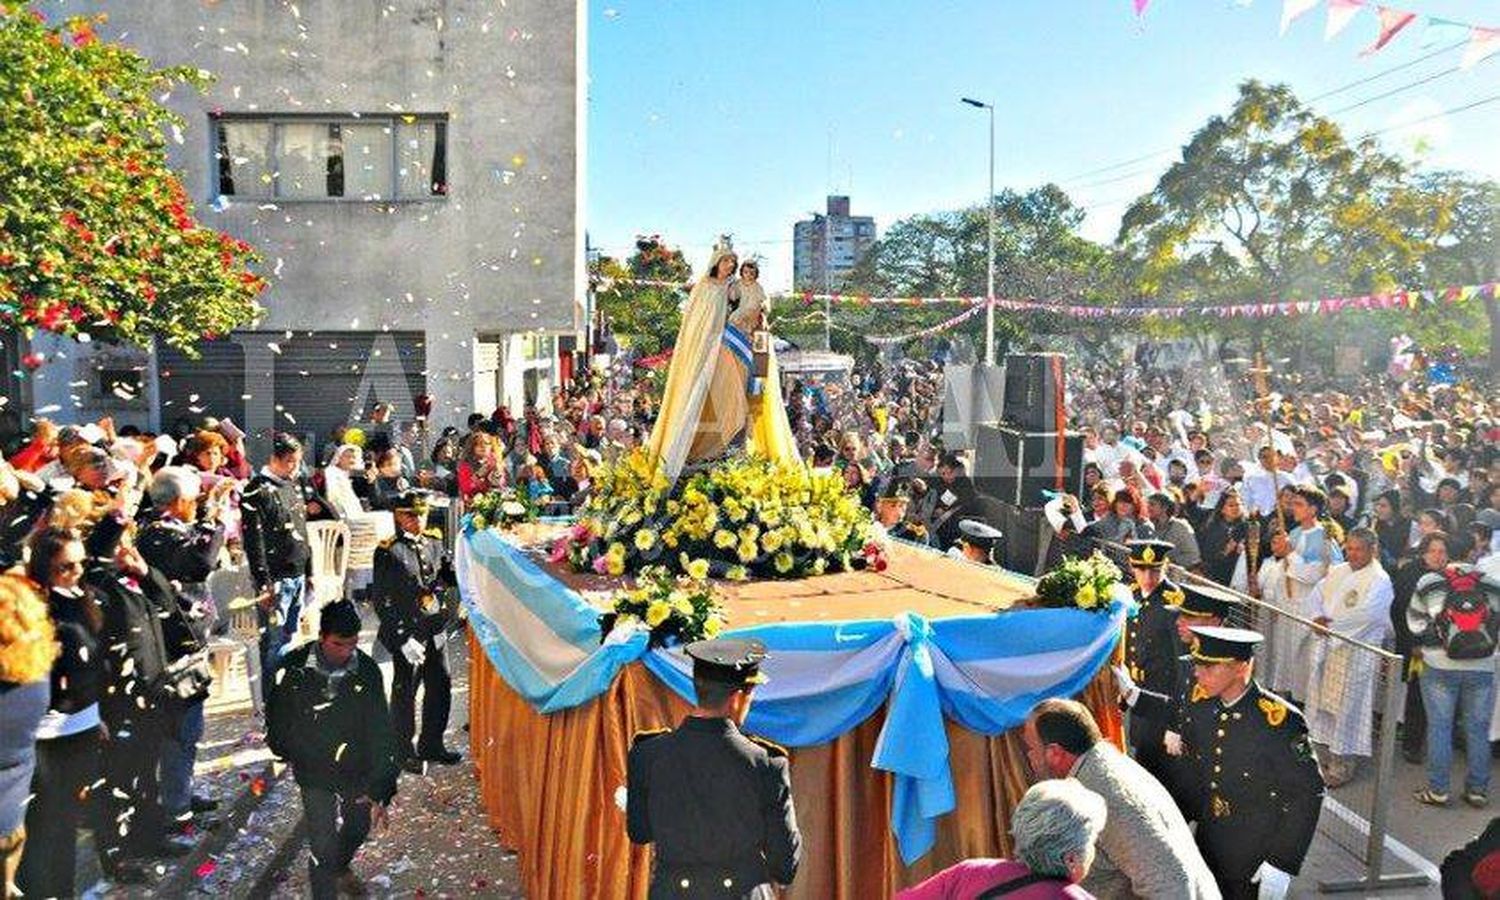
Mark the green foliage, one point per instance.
(647, 315)
(1273, 202)
(97, 235)
(1038, 254)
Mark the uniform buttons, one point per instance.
(1216, 770)
(1221, 732)
(729, 882)
(684, 883)
(1218, 751)
(1213, 784)
(1223, 717)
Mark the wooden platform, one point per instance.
(917, 579)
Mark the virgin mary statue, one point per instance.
(707, 406)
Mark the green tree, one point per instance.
(1272, 202)
(97, 235)
(648, 315)
(1038, 255)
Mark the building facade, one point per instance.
(411, 172)
(827, 246)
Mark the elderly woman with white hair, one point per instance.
(1054, 827)
(338, 480)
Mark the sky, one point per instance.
(740, 116)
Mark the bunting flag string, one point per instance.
(954, 322)
(1403, 299)
(1483, 40)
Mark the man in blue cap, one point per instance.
(716, 803)
(1252, 775)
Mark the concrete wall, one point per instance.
(503, 252)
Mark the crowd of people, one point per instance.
(1341, 505)
(111, 538)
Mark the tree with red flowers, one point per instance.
(97, 235)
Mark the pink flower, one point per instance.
(601, 565)
(559, 550)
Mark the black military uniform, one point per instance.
(1151, 650)
(1250, 766)
(407, 587)
(1202, 604)
(716, 803)
(904, 529)
(987, 539)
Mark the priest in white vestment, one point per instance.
(1299, 561)
(1353, 600)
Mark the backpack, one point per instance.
(1467, 625)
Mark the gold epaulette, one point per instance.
(433, 533)
(776, 750)
(642, 736)
(1275, 711)
(388, 543)
(1198, 695)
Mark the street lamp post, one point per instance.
(989, 307)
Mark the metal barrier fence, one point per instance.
(1351, 693)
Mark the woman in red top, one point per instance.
(480, 469)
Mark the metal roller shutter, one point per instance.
(307, 383)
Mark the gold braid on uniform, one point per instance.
(776, 750)
(643, 736)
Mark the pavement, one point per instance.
(438, 844)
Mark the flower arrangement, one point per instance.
(498, 509)
(1086, 583)
(675, 608)
(742, 518)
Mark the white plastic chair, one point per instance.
(329, 542)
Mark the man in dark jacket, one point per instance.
(716, 803)
(407, 588)
(140, 607)
(184, 547)
(326, 715)
(275, 507)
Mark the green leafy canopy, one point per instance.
(97, 234)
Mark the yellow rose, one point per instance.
(771, 541)
(724, 539)
(784, 562)
(711, 627)
(614, 565)
(1087, 596)
(698, 569)
(657, 612)
(737, 573)
(617, 549)
(645, 539)
(748, 551)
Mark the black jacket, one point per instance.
(718, 807)
(406, 589)
(1151, 650)
(336, 737)
(78, 672)
(274, 515)
(185, 553)
(134, 644)
(1255, 780)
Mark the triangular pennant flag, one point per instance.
(1483, 42)
(1292, 9)
(1340, 14)
(1391, 23)
(1443, 31)
(1140, 7)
